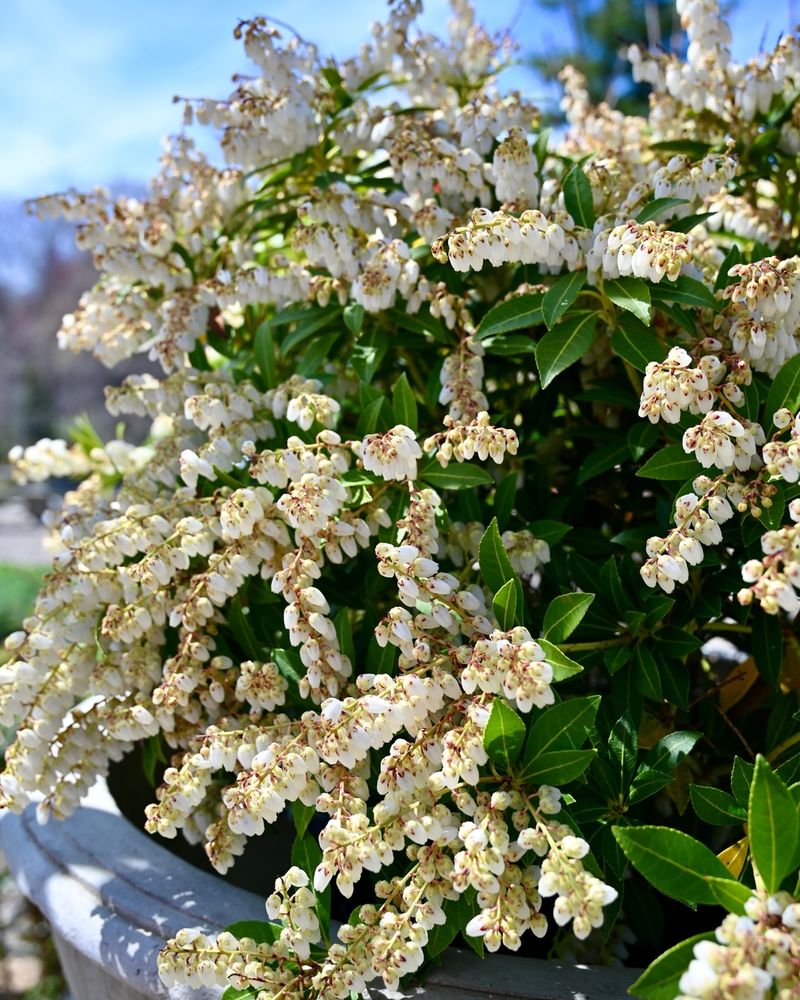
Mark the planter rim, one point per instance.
(115, 895)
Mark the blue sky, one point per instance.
(86, 85)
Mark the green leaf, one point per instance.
(457, 476)
(732, 895)
(441, 936)
(508, 604)
(772, 825)
(374, 417)
(675, 863)
(302, 816)
(344, 634)
(640, 438)
(404, 406)
(766, 641)
(381, 659)
(741, 779)
(601, 460)
(563, 726)
(645, 673)
(659, 763)
(504, 497)
(264, 347)
(421, 322)
(660, 979)
(549, 531)
(623, 750)
(495, 565)
(564, 615)
(260, 931)
(675, 642)
(518, 313)
(560, 296)
(716, 807)
(510, 346)
(564, 345)
(671, 463)
(368, 352)
(688, 222)
(692, 148)
(733, 257)
(658, 207)
(634, 343)
(686, 291)
(563, 666)
(504, 734)
(311, 322)
(556, 767)
(632, 295)
(243, 630)
(578, 197)
(231, 993)
(307, 854)
(353, 317)
(785, 389)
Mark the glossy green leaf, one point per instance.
(633, 342)
(549, 531)
(556, 767)
(404, 406)
(672, 861)
(602, 459)
(508, 604)
(504, 497)
(658, 765)
(560, 296)
(785, 389)
(564, 614)
(772, 825)
(659, 208)
(578, 197)
(517, 313)
(767, 645)
(716, 807)
(685, 291)
(563, 667)
(353, 317)
(632, 295)
(264, 347)
(261, 931)
(510, 345)
(563, 726)
(457, 476)
(660, 979)
(741, 779)
(733, 257)
(729, 894)
(645, 672)
(692, 148)
(504, 734)
(671, 463)
(564, 345)
(302, 816)
(495, 565)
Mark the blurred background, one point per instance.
(85, 98)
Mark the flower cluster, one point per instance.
(756, 955)
(394, 462)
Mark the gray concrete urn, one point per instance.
(113, 896)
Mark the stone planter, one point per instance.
(113, 897)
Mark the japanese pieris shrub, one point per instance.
(468, 441)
